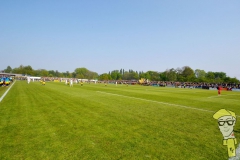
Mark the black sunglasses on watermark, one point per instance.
(229, 122)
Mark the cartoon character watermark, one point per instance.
(226, 122)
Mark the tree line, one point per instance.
(81, 73)
(183, 74)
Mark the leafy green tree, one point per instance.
(135, 75)
(18, 70)
(104, 77)
(163, 76)
(8, 69)
(126, 75)
(36, 73)
(200, 74)
(231, 80)
(141, 75)
(121, 71)
(109, 76)
(115, 74)
(60, 74)
(188, 73)
(180, 78)
(74, 74)
(44, 73)
(57, 74)
(147, 76)
(179, 70)
(152, 75)
(171, 74)
(66, 74)
(40, 73)
(52, 72)
(23, 70)
(210, 75)
(218, 80)
(91, 75)
(28, 70)
(220, 75)
(84, 73)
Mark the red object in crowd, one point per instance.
(219, 90)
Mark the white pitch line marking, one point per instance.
(6, 92)
(222, 95)
(170, 104)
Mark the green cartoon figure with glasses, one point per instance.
(226, 122)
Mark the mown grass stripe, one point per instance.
(171, 104)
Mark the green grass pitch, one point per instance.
(94, 121)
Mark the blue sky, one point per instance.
(130, 34)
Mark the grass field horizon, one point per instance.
(94, 121)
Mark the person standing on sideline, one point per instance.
(66, 82)
(71, 83)
(219, 90)
(28, 80)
